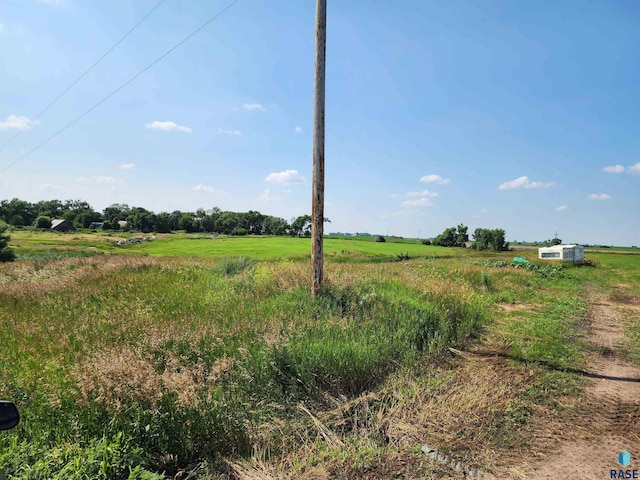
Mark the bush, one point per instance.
(43, 222)
(380, 238)
(231, 265)
(239, 231)
(6, 253)
(426, 242)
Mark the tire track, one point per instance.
(614, 401)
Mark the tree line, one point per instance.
(20, 213)
(483, 238)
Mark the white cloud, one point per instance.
(106, 179)
(524, 182)
(168, 126)
(634, 168)
(298, 129)
(2, 28)
(17, 122)
(614, 169)
(203, 188)
(237, 133)
(484, 210)
(420, 202)
(424, 193)
(561, 208)
(127, 166)
(267, 196)
(599, 196)
(253, 106)
(288, 177)
(393, 195)
(433, 178)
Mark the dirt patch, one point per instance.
(613, 400)
(517, 307)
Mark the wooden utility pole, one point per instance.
(317, 194)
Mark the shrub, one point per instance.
(239, 231)
(231, 265)
(43, 222)
(380, 238)
(426, 242)
(487, 281)
(6, 253)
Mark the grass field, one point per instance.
(277, 248)
(30, 244)
(182, 360)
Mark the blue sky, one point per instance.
(516, 115)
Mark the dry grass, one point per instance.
(119, 377)
(256, 470)
(35, 277)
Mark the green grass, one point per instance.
(155, 362)
(277, 248)
(388, 239)
(185, 360)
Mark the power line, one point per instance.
(55, 100)
(104, 99)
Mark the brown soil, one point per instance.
(612, 423)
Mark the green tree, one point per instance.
(462, 237)
(552, 242)
(252, 221)
(208, 222)
(226, 222)
(116, 212)
(485, 239)
(189, 223)
(447, 238)
(6, 253)
(301, 225)
(17, 212)
(141, 219)
(163, 223)
(453, 237)
(275, 226)
(43, 222)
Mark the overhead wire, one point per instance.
(73, 84)
(107, 97)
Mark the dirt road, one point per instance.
(613, 400)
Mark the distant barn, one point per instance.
(61, 225)
(564, 253)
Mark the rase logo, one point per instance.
(624, 459)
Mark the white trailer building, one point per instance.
(564, 253)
